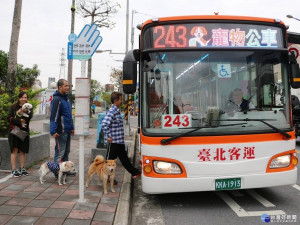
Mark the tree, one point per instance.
(106, 97)
(6, 102)
(13, 48)
(3, 66)
(25, 76)
(116, 77)
(96, 89)
(100, 12)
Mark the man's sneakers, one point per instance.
(15, 173)
(24, 172)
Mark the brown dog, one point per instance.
(105, 169)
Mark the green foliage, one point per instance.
(25, 76)
(6, 103)
(31, 97)
(106, 97)
(96, 89)
(24, 80)
(116, 77)
(3, 66)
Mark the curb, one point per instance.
(123, 209)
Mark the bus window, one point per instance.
(190, 83)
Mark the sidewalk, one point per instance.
(25, 201)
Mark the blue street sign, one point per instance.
(70, 50)
(72, 37)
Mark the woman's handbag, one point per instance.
(21, 134)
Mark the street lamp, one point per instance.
(132, 28)
(291, 17)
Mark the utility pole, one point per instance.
(132, 29)
(127, 25)
(70, 61)
(127, 114)
(62, 64)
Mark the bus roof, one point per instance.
(212, 17)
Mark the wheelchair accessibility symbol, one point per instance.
(224, 70)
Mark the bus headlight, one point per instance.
(166, 167)
(281, 161)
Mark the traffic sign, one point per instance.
(84, 46)
(70, 50)
(72, 37)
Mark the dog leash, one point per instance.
(108, 176)
(108, 150)
(58, 146)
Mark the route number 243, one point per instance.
(176, 121)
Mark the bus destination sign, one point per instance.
(216, 35)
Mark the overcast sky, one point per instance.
(45, 27)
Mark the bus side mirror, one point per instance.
(130, 71)
(294, 72)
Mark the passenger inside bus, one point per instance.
(237, 103)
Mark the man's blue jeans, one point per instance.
(62, 147)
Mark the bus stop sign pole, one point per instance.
(82, 48)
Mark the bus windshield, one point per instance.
(190, 89)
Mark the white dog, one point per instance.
(57, 168)
(24, 111)
(26, 108)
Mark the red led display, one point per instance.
(216, 35)
(170, 36)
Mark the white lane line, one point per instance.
(232, 204)
(243, 213)
(272, 212)
(296, 186)
(5, 178)
(260, 198)
(237, 193)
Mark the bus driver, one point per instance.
(237, 103)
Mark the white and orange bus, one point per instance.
(194, 135)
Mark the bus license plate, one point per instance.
(226, 184)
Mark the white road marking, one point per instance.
(243, 213)
(5, 178)
(272, 212)
(260, 198)
(232, 204)
(296, 186)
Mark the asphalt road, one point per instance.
(224, 207)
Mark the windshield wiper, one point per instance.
(263, 121)
(167, 141)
